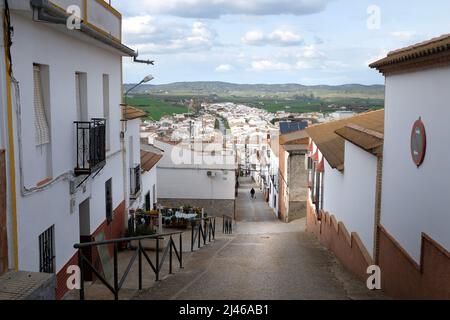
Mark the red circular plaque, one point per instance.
(418, 142)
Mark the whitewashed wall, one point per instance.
(351, 196)
(37, 43)
(185, 181)
(416, 200)
(149, 179)
(177, 183)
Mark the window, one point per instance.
(109, 201)
(135, 181)
(309, 163)
(47, 251)
(148, 205)
(81, 96)
(317, 196)
(313, 189)
(154, 194)
(41, 122)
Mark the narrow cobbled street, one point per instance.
(263, 259)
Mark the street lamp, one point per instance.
(145, 80)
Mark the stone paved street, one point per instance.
(263, 259)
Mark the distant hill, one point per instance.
(290, 90)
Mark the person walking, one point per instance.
(252, 193)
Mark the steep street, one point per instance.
(263, 259)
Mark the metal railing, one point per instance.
(227, 225)
(91, 145)
(203, 230)
(156, 266)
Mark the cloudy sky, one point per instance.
(273, 41)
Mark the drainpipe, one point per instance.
(124, 167)
(10, 129)
(379, 182)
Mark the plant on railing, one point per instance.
(142, 223)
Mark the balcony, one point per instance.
(135, 182)
(91, 146)
(98, 14)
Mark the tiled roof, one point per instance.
(332, 145)
(288, 127)
(131, 113)
(149, 160)
(293, 138)
(369, 140)
(428, 53)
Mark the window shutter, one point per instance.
(40, 118)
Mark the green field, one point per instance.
(321, 105)
(156, 108)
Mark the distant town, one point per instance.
(115, 187)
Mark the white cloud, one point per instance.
(217, 8)
(139, 25)
(151, 36)
(267, 65)
(405, 35)
(279, 37)
(311, 52)
(254, 37)
(224, 68)
(382, 54)
(301, 65)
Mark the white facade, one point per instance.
(192, 181)
(350, 196)
(416, 200)
(273, 180)
(47, 193)
(148, 179)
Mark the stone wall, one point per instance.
(213, 207)
(297, 210)
(298, 186)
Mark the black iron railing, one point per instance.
(156, 265)
(135, 181)
(227, 225)
(91, 145)
(203, 231)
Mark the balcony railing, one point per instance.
(91, 146)
(135, 181)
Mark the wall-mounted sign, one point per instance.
(418, 142)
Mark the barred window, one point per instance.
(40, 117)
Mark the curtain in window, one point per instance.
(40, 118)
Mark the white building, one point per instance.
(415, 219)
(197, 179)
(274, 169)
(141, 163)
(345, 160)
(69, 180)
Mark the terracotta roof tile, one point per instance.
(332, 145)
(131, 113)
(291, 138)
(149, 160)
(369, 140)
(434, 51)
